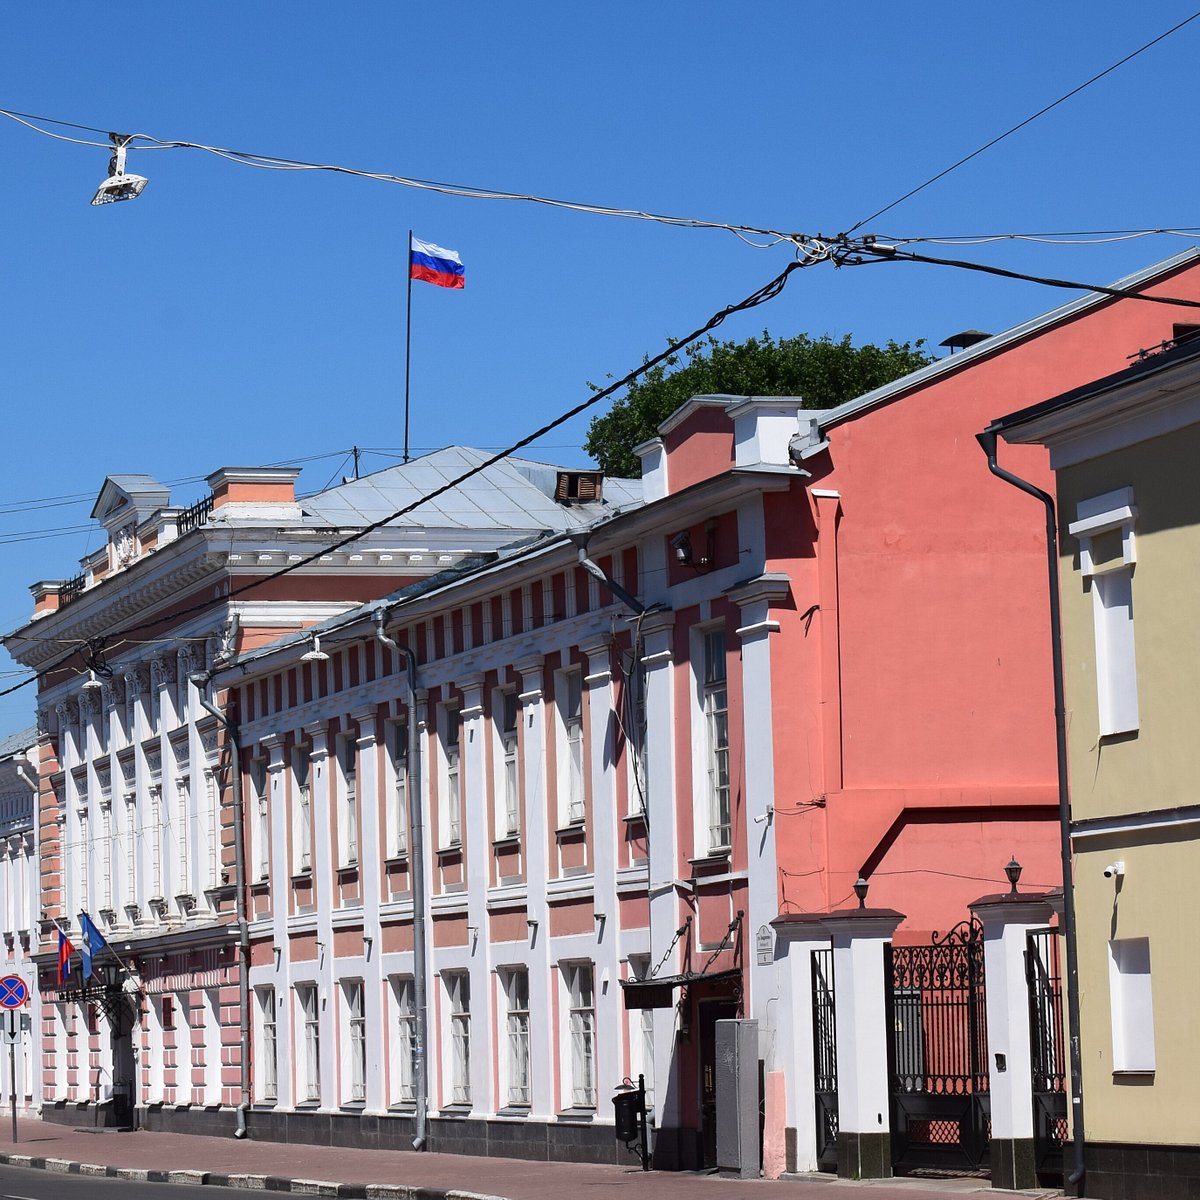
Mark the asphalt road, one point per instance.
(18, 1183)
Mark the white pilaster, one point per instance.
(1006, 920)
(858, 938)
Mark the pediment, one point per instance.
(125, 498)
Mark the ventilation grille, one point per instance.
(578, 487)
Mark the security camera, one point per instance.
(1114, 870)
(764, 817)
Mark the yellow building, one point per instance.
(1125, 451)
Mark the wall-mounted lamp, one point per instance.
(316, 654)
(92, 684)
(681, 547)
(473, 932)
(860, 890)
(368, 942)
(119, 185)
(278, 955)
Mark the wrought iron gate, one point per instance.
(937, 1018)
(825, 1059)
(1047, 1051)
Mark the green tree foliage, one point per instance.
(822, 371)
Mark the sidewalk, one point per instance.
(387, 1174)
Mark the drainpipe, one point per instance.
(987, 439)
(200, 681)
(416, 859)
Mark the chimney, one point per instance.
(258, 487)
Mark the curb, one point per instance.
(247, 1182)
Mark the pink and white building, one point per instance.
(651, 735)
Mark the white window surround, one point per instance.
(1112, 605)
(308, 1019)
(579, 1035)
(347, 809)
(396, 738)
(712, 786)
(572, 790)
(450, 793)
(506, 720)
(457, 1036)
(267, 1078)
(301, 811)
(354, 1041)
(515, 1080)
(1132, 1005)
(641, 1031)
(403, 1042)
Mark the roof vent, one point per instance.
(578, 487)
(968, 337)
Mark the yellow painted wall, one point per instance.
(1156, 768)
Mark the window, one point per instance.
(458, 995)
(302, 813)
(268, 1045)
(641, 1031)
(348, 808)
(1132, 1004)
(452, 726)
(356, 1027)
(515, 982)
(716, 723)
(1107, 555)
(582, 1031)
(637, 746)
(571, 709)
(310, 1019)
(260, 860)
(398, 751)
(507, 712)
(404, 1044)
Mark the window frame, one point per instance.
(457, 985)
(713, 685)
(579, 1029)
(517, 1077)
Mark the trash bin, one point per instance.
(628, 1108)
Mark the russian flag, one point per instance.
(435, 264)
(65, 950)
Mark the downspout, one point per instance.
(201, 681)
(592, 568)
(416, 859)
(987, 439)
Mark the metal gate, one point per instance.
(937, 1018)
(1047, 1051)
(825, 1059)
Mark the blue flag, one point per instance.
(91, 942)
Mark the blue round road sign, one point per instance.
(13, 992)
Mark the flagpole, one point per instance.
(407, 339)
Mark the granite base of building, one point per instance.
(864, 1155)
(86, 1115)
(541, 1141)
(1013, 1163)
(1116, 1171)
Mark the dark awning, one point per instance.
(659, 991)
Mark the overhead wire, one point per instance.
(1021, 124)
(768, 291)
(1088, 237)
(272, 162)
(851, 257)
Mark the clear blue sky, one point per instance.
(241, 316)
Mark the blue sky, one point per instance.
(241, 316)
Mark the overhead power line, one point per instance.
(273, 162)
(852, 256)
(761, 295)
(1041, 112)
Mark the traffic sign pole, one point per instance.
(14, 1027)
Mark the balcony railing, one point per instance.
(71, 589)
(196, 515)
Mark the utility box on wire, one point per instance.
(738, 1152)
